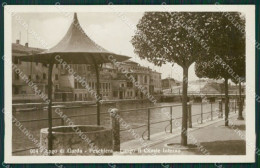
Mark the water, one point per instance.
(133, 119)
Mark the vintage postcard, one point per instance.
(130, 84)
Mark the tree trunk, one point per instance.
(184, 106)
(240, 104)
(98, 93)
(226, 102)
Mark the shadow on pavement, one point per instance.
(240, 127)
(231, 147)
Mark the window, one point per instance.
(129, 84)
(36, 63)
(16, 90)
(75, 85)
(17, 76)
(15, 60)
(80, 96)
(115, 93)
(30, 77)
(37, 77)
(44, 76)
(56, 86)
(145, 79)
(56, 77)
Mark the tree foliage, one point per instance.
(227, 48)
(239, 68)
(177, 37)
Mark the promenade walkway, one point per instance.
(211, 136)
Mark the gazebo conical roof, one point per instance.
(75, 48)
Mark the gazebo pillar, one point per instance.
(240, 104)
(98, 93)
(50, 108)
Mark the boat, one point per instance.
(70, 107)
(56, 106)
(25, 109)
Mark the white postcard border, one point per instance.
(248, 10)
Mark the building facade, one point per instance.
(128, 81)
(169, 83)
(26, 76)
(155, 86)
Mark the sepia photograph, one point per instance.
(120, 84)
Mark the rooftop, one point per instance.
(19, 50)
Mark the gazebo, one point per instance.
(75, 48)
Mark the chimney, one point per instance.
(17, 41)
(26, 45)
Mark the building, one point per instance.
(120, 87)
(137, 80)
(155, 86)
(133, 83)
(36, 73)
(169, 83)
(88, 73)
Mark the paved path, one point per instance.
(211, 137)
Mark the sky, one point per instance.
(113, 31)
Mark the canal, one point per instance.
(137, 118)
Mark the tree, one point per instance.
(175, 38)
(209, 69)
(239, 69)
(227, 44)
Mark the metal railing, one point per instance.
(189, 119)
(148, 122)
(170, 120)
